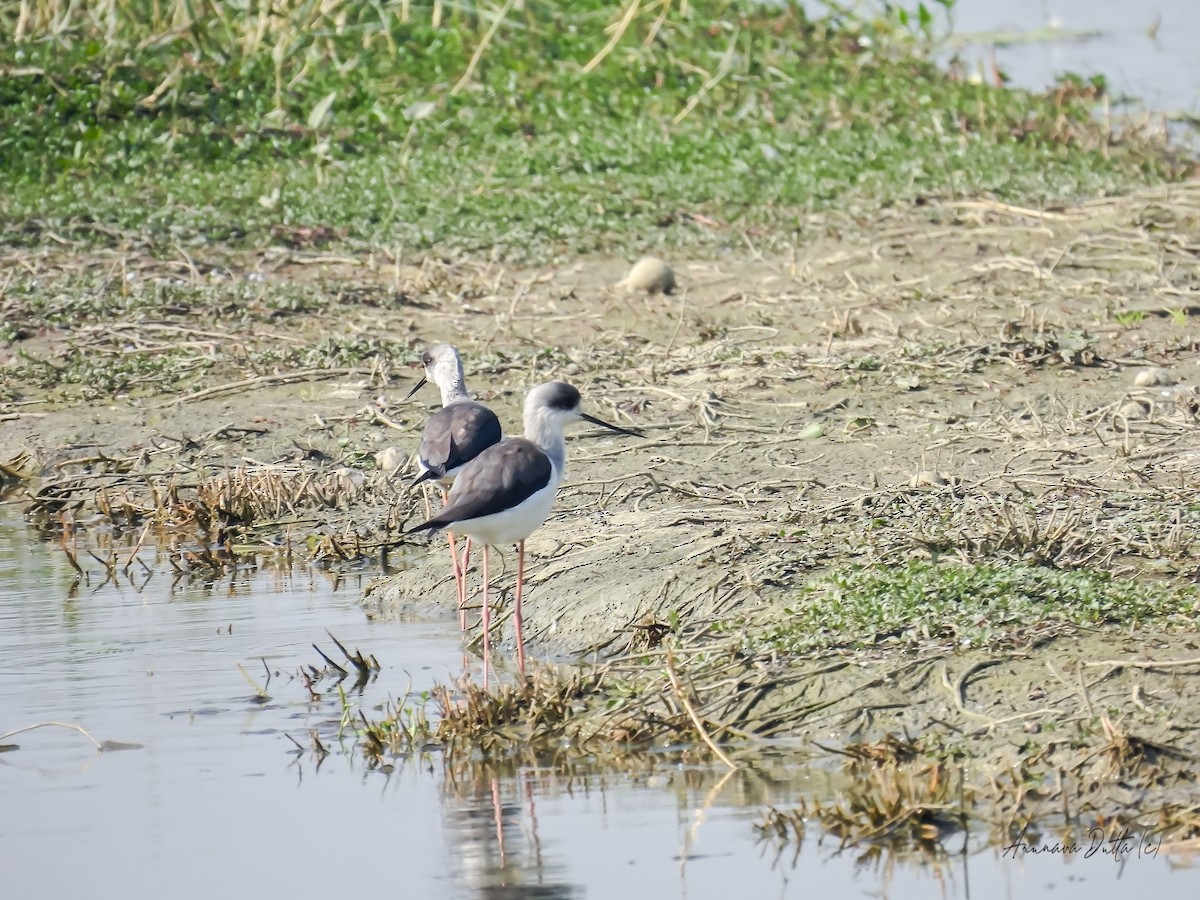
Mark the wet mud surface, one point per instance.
(980, 383)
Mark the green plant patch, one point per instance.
(966, 606)
(547, 132)
(86, 376)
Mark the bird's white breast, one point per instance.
(511, 525)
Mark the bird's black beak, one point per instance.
(420, 384)
(604, 424)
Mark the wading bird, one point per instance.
(505, 493)
(454, 435)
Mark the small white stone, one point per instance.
(1153, 377)
(649, 274)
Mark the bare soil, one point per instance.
(971, 381)
(938, 387)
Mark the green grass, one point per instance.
(223, 131)
(142, 343)
(86, 337)
(89, 377)
(62, 302)
(967, 606)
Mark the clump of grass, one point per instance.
(909, 809)
(895, 797)
(889, 750)
(245, 494)
(540, 712)
(14, 472)
(1128, 757)
(965, 605)
(347, 517)
(1059, 539)
(532, 131)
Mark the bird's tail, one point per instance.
(431, 526)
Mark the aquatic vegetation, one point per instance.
(509, 131)
(967, 605)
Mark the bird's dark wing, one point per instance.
(499, 478)
(455, 435)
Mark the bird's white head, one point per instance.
(443, 367)
(549, 409)
(553, 405)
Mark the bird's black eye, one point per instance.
(427, 359)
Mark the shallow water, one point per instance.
(1146, 51)
(216, 802)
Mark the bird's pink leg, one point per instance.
(487, 620)
(498, 817)
(462, 597)
(517, 607)
(459, 574)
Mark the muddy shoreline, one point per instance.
(981, 384)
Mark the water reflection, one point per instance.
(219, 794)
(493, 814)
(494, 833)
